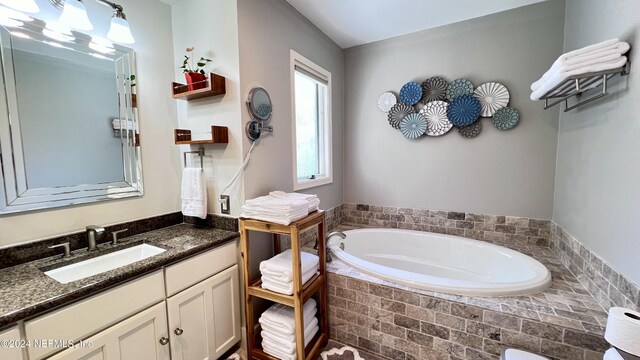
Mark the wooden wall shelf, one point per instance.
(215, 86)
(219, 135)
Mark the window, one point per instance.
(311, 93)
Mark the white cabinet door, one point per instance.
(137, 338)
(11, 344)
(204, 320)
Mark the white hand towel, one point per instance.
(280, 265)
(611, 53)
(275, 203)
(559, 77)
(282, 317)
(279, 337)
(285, 288)
(277, 353)
(289, 348)
(194, 193)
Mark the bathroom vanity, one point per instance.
(180, 304)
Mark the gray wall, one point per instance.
(268, 29)
(499, 172)
(597, 196)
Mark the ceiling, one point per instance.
(355, 22)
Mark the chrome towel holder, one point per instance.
(200, 153)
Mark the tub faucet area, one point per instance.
(92, 232)
(335, 233)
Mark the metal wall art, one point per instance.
(436, 106)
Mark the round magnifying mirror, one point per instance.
(259, 104)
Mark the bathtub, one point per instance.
(442, 263)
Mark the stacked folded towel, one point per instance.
(280, 207)
(278, 329)
(277, 274)
(312, 200)
(606, 55)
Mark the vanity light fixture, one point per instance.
(74, 15)
(26, 6)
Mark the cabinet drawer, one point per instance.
(191, 271)
(88, 316)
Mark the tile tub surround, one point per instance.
(26, 291)
(608, 286)
(498, 229)
(20, 254)
(563, 322)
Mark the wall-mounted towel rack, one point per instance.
(200, 153)
(576, 85)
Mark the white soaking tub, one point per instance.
(443, 263)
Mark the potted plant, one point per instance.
(195, 76)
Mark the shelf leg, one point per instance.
(248, 299)
(323, 308)
(297, 292)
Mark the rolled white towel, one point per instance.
(289, 348)
(284, 287)
(282, 316)
(285, 339)
(610, 53)
(559, 77)
(280, 266)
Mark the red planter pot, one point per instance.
(195, 80)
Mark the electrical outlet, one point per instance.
(225, 204)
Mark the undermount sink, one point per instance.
(106, 262)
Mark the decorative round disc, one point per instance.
(464, 110)
(459, 87)
(506, 118)
(386, 101)
(471, 131)
(433, 89)
(410, 93)
(397, 113)
(435, 112)
(492, 96)
(413, 126)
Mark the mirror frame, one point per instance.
(15, 196)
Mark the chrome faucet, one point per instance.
(326, 245)
(92, 232)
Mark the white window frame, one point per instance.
(297, 60)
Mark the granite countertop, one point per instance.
(26, 291)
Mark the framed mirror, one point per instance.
(69, 132)
(259, 104)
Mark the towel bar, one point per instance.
(575, 86)
(200, 153)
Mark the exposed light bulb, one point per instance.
(74, 15)
(28, 6)
(119, 31)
